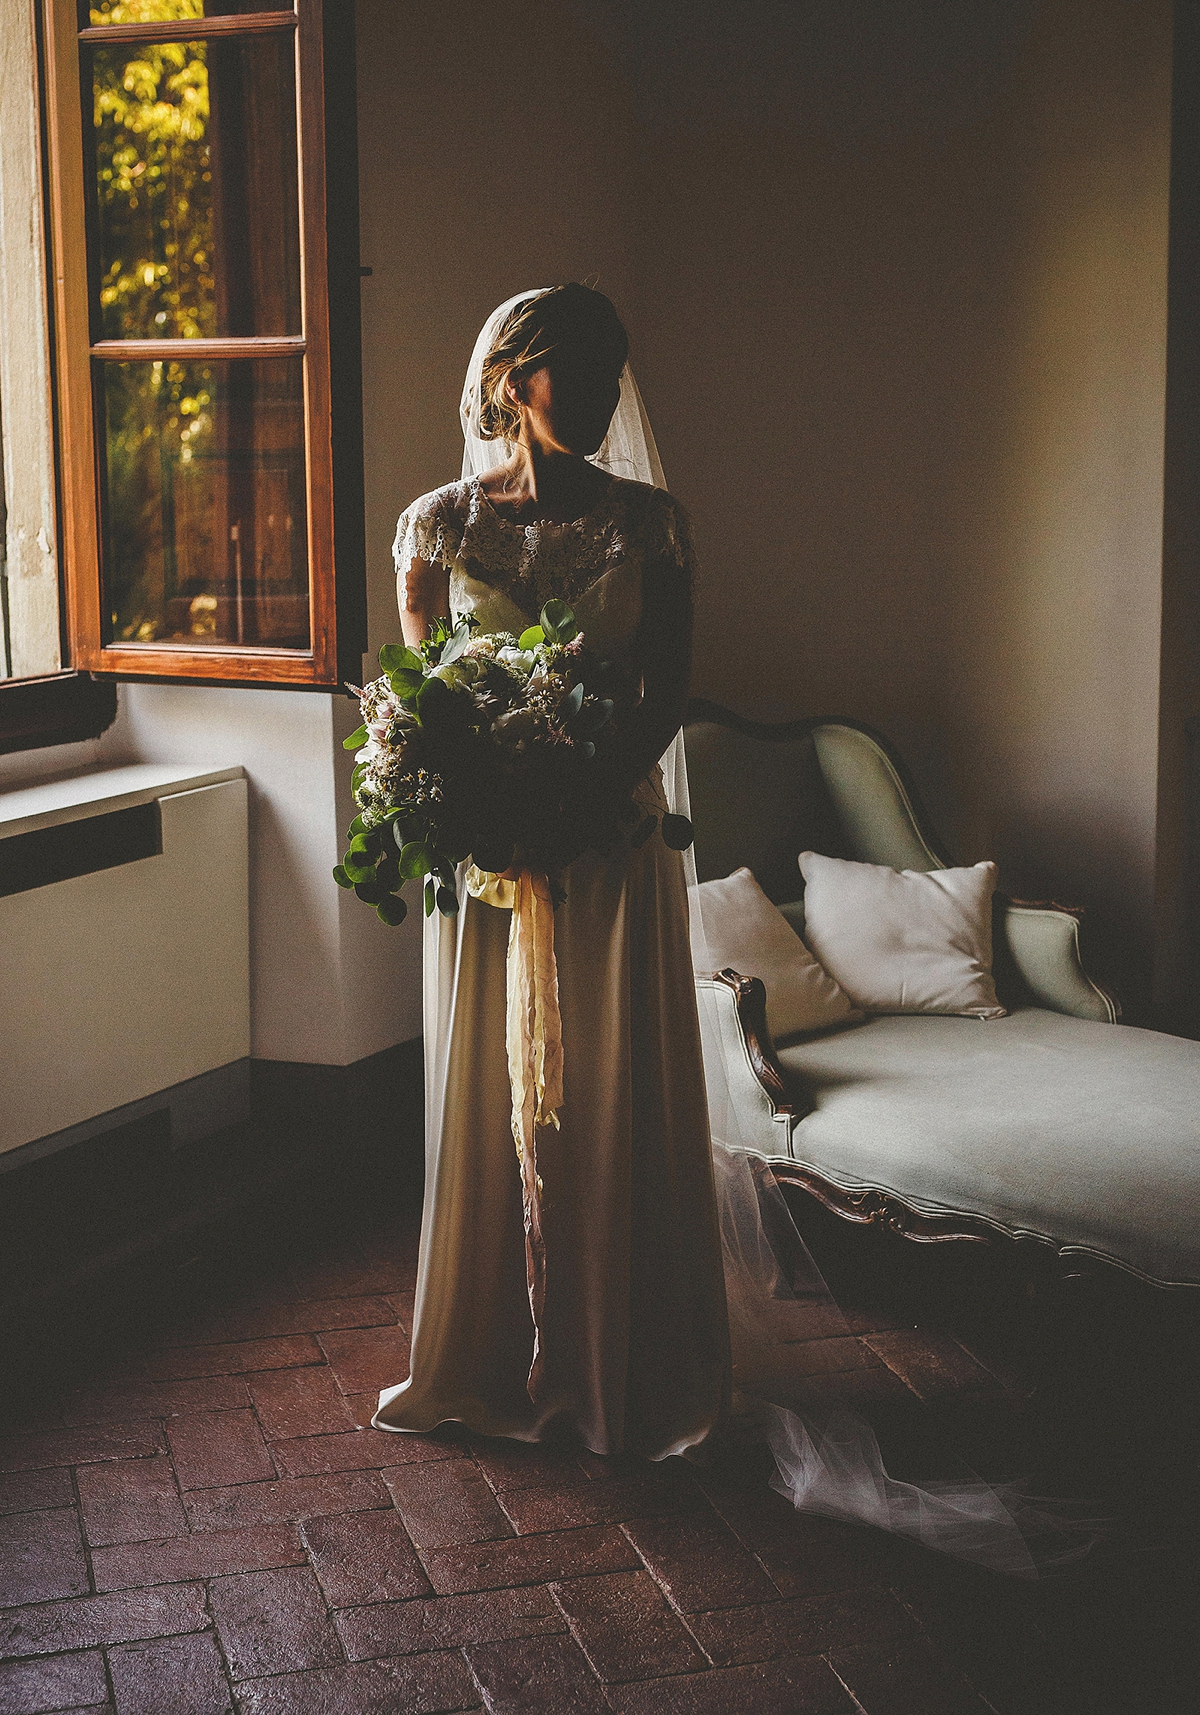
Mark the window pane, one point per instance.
(197, 213)
(159, 11)
(205, 538)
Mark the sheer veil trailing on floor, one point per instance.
(828, 1459)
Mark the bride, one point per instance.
(659, 1240)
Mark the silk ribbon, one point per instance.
(535, 1056)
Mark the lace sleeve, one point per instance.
(669, 534)
(427, 530)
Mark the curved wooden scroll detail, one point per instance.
(751, 997)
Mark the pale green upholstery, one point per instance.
(1039, 1124)
(1048, 1124)
(763, 793)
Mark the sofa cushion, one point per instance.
(1082, 1133)
(903, 940)
(735, 924)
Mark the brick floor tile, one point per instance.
(31, 1491)
(447, 1622)
(79, 1446)
(904, 1678)
(417, 1686)
(363, 1407)
(203, 1554)
(235, 1359)
(261, 1322)
(41, 1557)
(130, 1500)
(170, 1676)
(701, 1563)
(517, 1465)
(933, 1365)
(62, 1682)
(805, 1555)
(215, 1448)
(796, 1685)
(625, 1628)
(356, 1450)
(584, 1501)
(87, 1621)
(366, 1358)
(273, 1622)
(446, 1504)
(364, 1557)
(530, 1559)
(131, 1401)
(801, 1625)
(536, 1676)
(299, 1402)
(289, 1498)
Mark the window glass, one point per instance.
(197, 219)
(204, 508)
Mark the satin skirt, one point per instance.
(635, 1330)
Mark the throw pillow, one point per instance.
(735, 924)
(904, 940)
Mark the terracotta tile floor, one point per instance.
(193, 1518)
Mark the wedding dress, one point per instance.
(634, 1344)
(673, 1270)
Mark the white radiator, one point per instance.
(130, 974)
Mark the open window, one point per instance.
(203, 229)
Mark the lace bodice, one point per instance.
(504, 571)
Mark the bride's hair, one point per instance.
(571, 315)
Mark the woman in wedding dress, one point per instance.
(633, 1342)
(669, 1270)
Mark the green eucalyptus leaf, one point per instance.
(455, 644)
(357, 826)
(572, 702)
(357, 872)
(558, 622)
(340, 876)
(415, 860)
(531, 638)
(406, 682)
(434, 698)
(395, 657)
(391, 910)
(357, 737)
(370, 892)
(447, 901)
(430, 898)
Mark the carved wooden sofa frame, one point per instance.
(878, 817)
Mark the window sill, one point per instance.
(63, 708)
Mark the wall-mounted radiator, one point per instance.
(124, 951)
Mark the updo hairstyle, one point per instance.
(533, 330)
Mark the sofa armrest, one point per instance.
(733, 1026)
(1043, 940)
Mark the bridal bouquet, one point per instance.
(493, 747)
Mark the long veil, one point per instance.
(827, 1456)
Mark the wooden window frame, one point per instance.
(330, 345)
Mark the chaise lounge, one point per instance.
(1054, 1126)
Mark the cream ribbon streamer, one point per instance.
(535, 1056)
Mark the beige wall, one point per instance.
(896, 284)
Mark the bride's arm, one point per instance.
(665, 648)
(422, 595)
